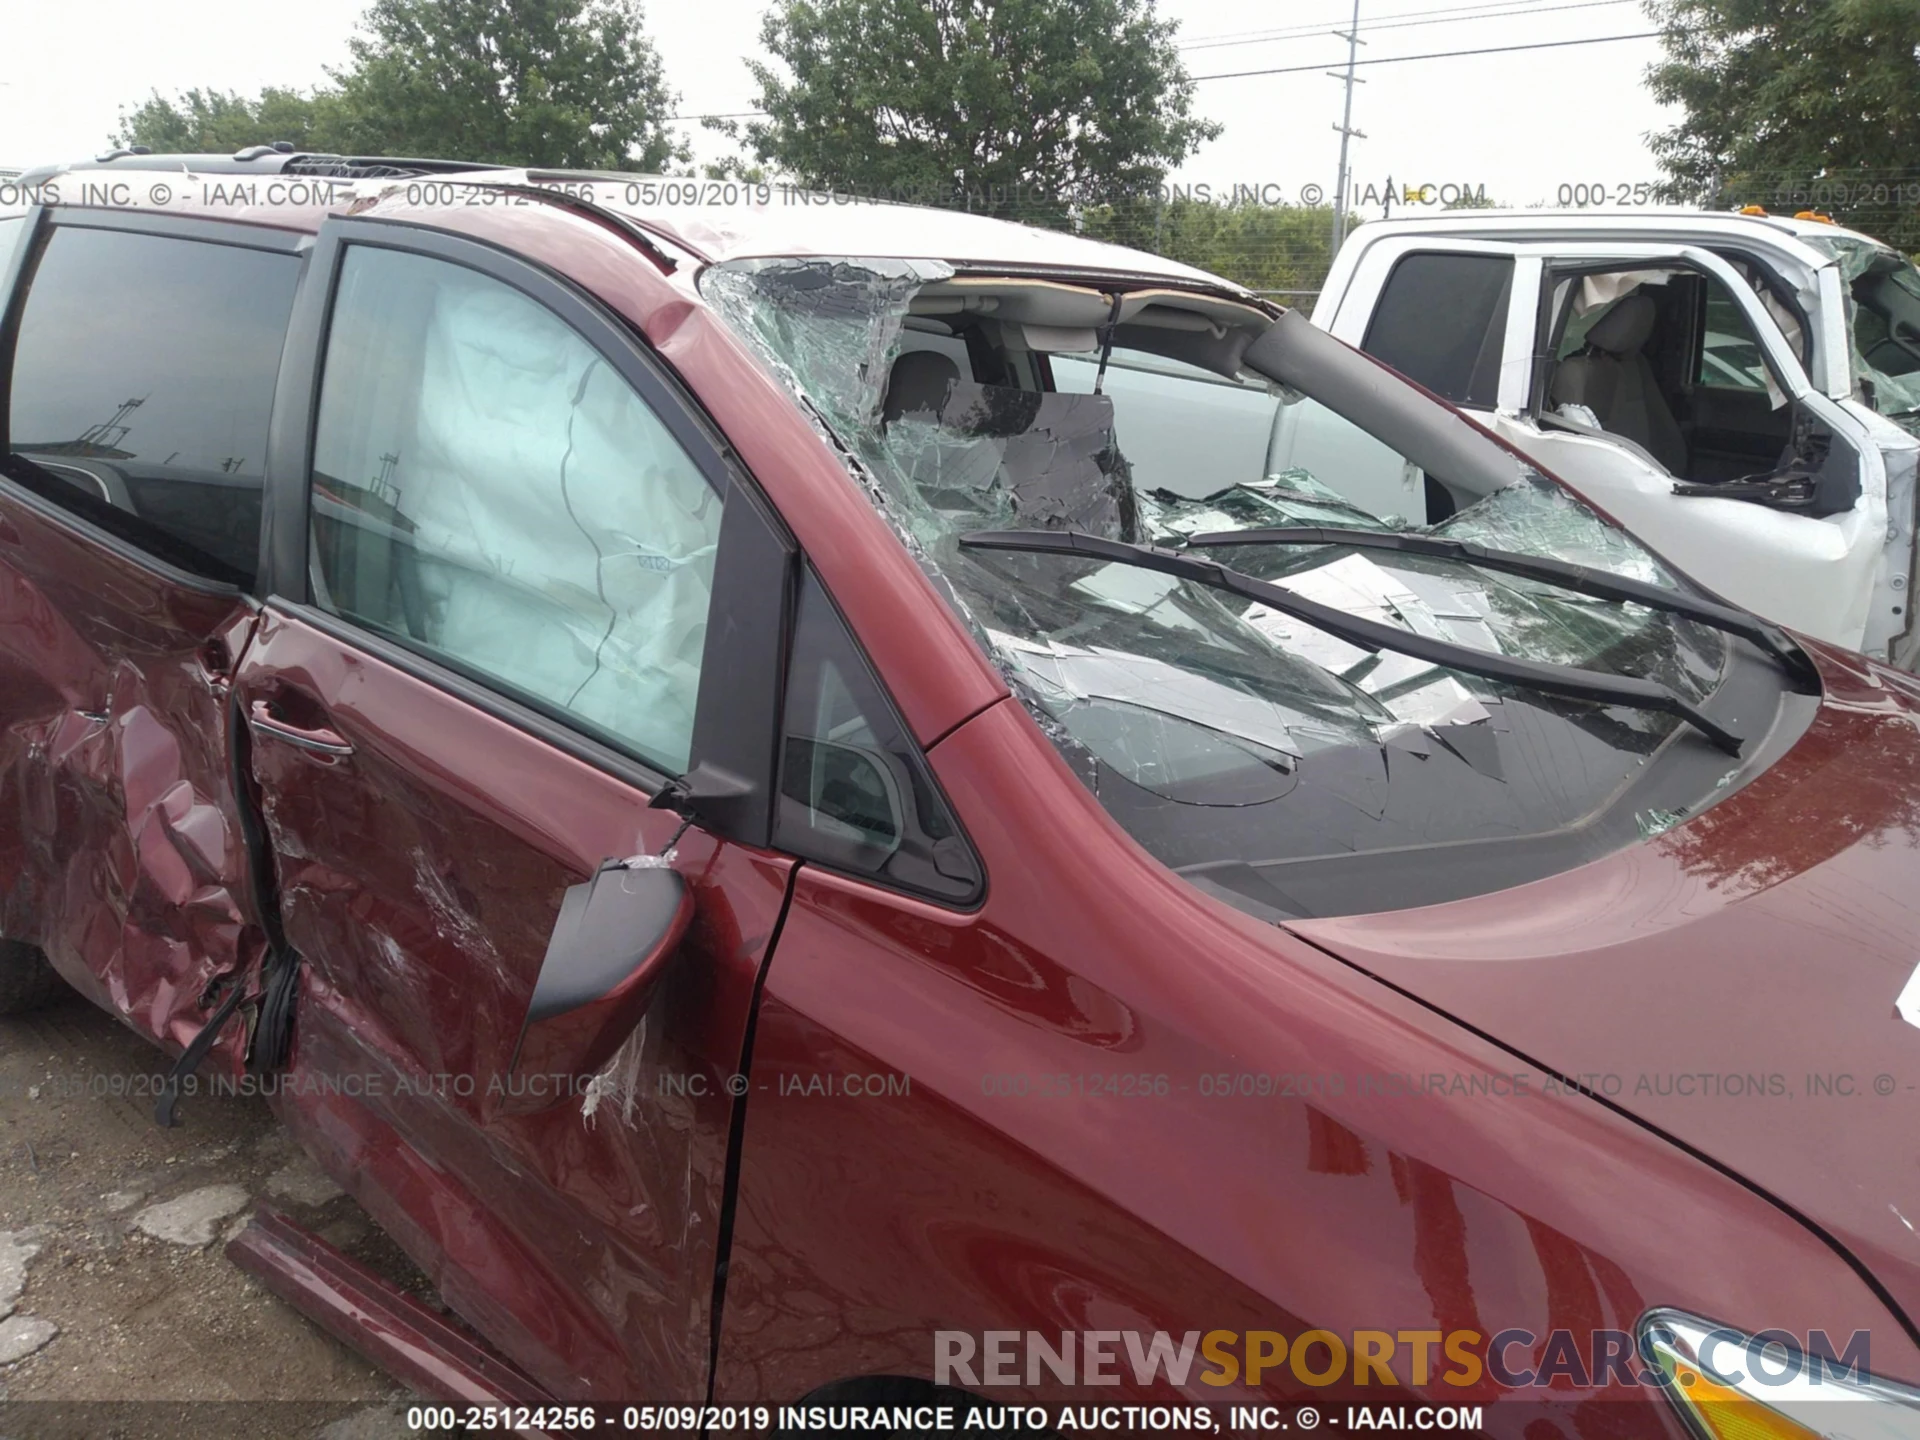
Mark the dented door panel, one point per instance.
(122, 860)
(420, 879)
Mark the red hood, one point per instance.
(1759, 944)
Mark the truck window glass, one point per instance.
(1883, 318)
(142, 385)
(1442, 321)
(1729, 350)
(489, 491)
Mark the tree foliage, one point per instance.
(1791, 103)
(572, 83)
(1263, 247)
(1024, 108)
(212, 121)
(559, 83)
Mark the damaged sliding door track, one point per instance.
(272, 1039)
(1565, 680)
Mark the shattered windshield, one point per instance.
(1240, 745)
(1883, 323)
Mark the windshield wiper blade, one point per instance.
(1537, 675)
(1582, 579)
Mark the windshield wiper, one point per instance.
(1582, 579)
(1367, 634)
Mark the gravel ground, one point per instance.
(113, 1284)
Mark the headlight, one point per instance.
(1733, 1386)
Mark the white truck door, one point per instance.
(1816, 575)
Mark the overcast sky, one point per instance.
(1522, 123)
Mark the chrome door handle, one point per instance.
(262, 721)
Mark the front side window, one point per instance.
(1442, 321)
(488, 490)
(142, 388)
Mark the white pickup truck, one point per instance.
(1737, 389)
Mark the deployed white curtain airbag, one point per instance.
(560, 538)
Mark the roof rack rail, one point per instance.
(376, 167)
(277, 157)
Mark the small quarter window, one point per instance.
(855, 792)
(13, 230)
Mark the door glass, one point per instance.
(142, 386)
(488, 490)
(1442, 321)
(1729, 350)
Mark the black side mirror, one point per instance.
(611, 946)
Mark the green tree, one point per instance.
(1275, 248)
(1790, 103)
(560, 83)
(573, 83)
(205, 122)
(1020, 108)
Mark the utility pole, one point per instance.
(1352, 36)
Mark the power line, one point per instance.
(1446, 54)
(1511, 11)
(1301, 69)
(1494, 9)
(1317, 28)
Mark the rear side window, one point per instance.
(143, 383)
(488, 490)
(1442, 321)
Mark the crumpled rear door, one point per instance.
(144, 355)
(122, 858)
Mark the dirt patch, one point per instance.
(116, 1228)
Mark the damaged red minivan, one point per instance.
(834, 800)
